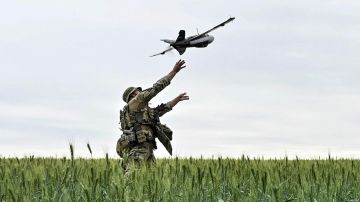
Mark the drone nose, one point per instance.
(211, 39)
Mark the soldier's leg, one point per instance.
(151, 157)
(125, 163)
(141, 153)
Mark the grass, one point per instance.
(243, 179)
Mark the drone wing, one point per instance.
(162, 53)
(212, 29)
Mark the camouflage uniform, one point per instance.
(141, 125)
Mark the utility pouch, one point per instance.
(154, 115)
(141, 136)
(139, 117)
(144, 135)
(122, 144)
(150, 136)
(131, 137)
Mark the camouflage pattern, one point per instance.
(138, 120)
(143, 98)
(142, 152)
(139, 154)
(162, 109)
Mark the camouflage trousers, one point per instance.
(139, 154)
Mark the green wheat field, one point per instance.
(177, 179)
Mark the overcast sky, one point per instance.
(282, 79)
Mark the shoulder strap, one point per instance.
(123, 119)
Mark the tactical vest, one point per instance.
(132, 122)
(132, 125)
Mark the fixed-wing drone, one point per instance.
(198, 41)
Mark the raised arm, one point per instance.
(163, 82)
(177, 67)
(176, 100)
(164, 108)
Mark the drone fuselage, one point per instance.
(198, 43)
(202, 42)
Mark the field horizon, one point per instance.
(176, 179)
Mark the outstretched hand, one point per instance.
(179, 65)
(179, 98)
(182, 97)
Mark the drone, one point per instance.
(197, 41)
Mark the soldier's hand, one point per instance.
(179, 66)
(182, 97)
(179, 98)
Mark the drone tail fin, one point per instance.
(181, 36)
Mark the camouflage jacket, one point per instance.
(141, 123)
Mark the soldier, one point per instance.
(140, 123)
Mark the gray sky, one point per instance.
(282, 79)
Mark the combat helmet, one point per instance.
(128, 92)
